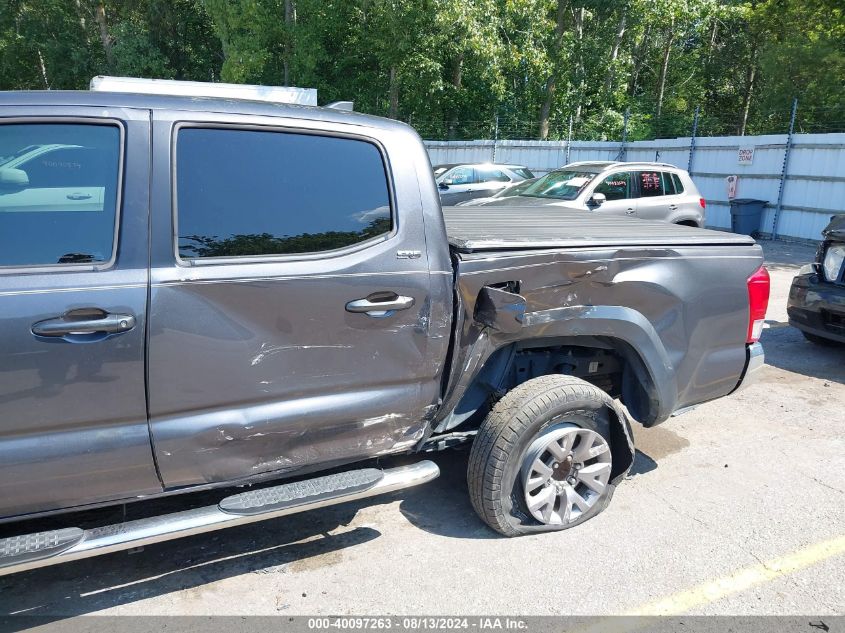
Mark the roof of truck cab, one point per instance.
(89, 98)
(483, 228)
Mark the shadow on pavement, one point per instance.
(286, 545)
(787, 349)
(642, 464)
(445, 509)
(787, 255)
(269, 547)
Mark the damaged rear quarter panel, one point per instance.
(683, 310)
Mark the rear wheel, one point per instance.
(542, 459)
(820, 340)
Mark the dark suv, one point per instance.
(817, 297)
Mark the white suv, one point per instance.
(654, 191)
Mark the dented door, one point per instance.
(281, 344)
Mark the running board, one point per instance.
(29, 551)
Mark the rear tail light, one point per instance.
(758, 301)
(703, 203)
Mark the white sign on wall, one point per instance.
(745, 155)
(731, 182)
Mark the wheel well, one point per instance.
(610, 364)
(687, 223)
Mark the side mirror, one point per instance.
(12, 180)
(598, 199)
(443, 186)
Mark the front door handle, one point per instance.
(380, 304)
(86, 321)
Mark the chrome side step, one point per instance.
(20, 553)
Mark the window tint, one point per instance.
(58, 193)
(651, 184)
(487, 174)
(242, 192)
(668, 185)
(615, 186)
(460, 176)
(679, 186)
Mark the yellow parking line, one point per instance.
(743, 579)
(646, 616)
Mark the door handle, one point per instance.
(78, 196)
(672, 207)
(629, 212)
(85, 321)
(380, 304)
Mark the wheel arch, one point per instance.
(647, 388)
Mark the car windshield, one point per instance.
(559, 185)
(515, 190)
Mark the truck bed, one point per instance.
(519, 228)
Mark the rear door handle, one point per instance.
(380, 304)
(629, 212)
(84, 322)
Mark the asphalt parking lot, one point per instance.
(733, 508)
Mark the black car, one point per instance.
(817, 297)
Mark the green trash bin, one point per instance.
(746, 214)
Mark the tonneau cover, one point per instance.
(520, 228)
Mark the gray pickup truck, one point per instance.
(201, 293)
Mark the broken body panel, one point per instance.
(245, 369)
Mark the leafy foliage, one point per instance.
(452, 67)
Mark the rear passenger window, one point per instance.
(493, 175)
(679, 186)
(246, 193)
(58, 193)
(651, 184)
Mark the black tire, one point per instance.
(820, 340)
(507, 432)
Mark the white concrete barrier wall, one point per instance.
(814, 188)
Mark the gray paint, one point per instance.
(253, 369)
(682, 310)
(518, 226)
(73, 420)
